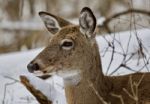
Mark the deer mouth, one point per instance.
(48, 71)
(42, 75)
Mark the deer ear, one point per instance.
(53, 23)
(87, 22)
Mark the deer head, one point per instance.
(70, 48)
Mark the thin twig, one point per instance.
(118, 96)
(96, 92)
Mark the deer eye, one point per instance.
(67, 44)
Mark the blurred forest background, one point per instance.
(22, 29)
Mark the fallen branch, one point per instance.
(41, 98)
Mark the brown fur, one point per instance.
(85, 56)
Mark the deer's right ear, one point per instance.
(53, 23)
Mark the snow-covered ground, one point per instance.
(14, 64)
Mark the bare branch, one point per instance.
(106, 22)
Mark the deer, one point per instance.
(72, 53)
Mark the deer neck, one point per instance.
(91, 78)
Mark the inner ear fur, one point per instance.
(53, 23)
(87, 22)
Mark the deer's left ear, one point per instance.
(87, 22)
(53, 23)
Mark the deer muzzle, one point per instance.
(32, 67)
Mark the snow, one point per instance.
(14, 64)
(123, 37)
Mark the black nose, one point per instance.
(32, 67)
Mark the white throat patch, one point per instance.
(70, 78)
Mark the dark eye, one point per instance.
(67, 44)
